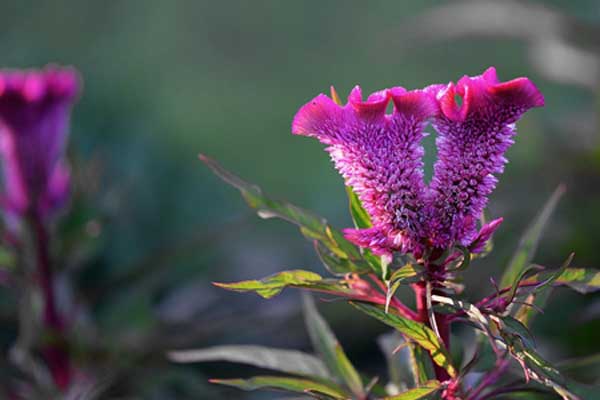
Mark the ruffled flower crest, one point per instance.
(472, 140)
(381, 157)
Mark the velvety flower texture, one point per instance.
(34, 115)
(380, 157)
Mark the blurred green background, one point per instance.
(166, 80)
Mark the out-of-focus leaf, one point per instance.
(295, 385)
(579, 362)
(327, 345)
(359, 214)
(274, 284)
(311, 225)
(415, 331)
(289, 361)
(529, 242)
(408, 364)
(417, 393)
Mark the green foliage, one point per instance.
(297, 385)
(359, 214)
(361, 220)
(311, 225)
(580, 279)
(417, 393)
(274, 284)
(328, 347)
(415, 331)
(288, 361)
(530, 240)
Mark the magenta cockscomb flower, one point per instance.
(381, 157)
(472, 140)
(34, 114)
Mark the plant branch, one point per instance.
(54, 351)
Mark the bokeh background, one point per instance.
(150, 227)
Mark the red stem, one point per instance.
(55, 352)
(442, 323)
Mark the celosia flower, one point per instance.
(380, 157)
(34, 115)
(472, 139)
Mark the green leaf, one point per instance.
(336, 265)
(359, 214)
(420, 364)
(515, 327)
(311, 225)
(581, 279)
(522, 277)
(273, 285)
(539, 296)
(288, 384)
(361, 220)
(417, 393)
(548, 374)
(416, 331)
(408, 273)
(327, 345)
(529, 242)
(289, 361)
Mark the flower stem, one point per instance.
(54, 350)
(442, 324)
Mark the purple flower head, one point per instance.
(34, 115)
(381, 157)
(472, 139)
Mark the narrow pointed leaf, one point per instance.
(529, 242)
(359, 214)
(311, 225)
(581, 279)
(295, 385)
(550, 376)
(416, 331)
(336, 265)
(274, 284)
(289, 361)
(420, 364)
(406, 272)
(417, 393)
(327, 345)
(515, 327)
(539, 296)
